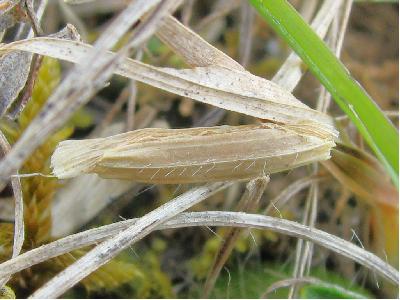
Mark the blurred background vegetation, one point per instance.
(175, 263)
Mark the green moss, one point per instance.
(7, 293)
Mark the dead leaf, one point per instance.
(229, 89)
(363, 175)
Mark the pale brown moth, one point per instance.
(172, 156)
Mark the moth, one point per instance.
(192, 155)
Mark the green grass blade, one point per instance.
(376, 129)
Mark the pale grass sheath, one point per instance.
(172, 156)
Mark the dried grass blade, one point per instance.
(192, 155)
(209, 218)
(310, 280)
(335, 41)
(290, 191)
(73, 92)
(192, 47)
(107, 250)
(363, 175)
(248, 203)
(81, 200)
(18, 210)
(290, 73)
(15, 70)
(16, 66)
(230, 89)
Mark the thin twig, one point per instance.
(34, 20)
(26, 93)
